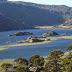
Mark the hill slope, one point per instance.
(27, 15)
(7, 24)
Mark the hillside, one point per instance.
(27, 15)
(7, 24)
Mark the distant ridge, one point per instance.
(3, 0)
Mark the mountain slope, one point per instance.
(7, 24)
(28, 15)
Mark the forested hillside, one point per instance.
(27, 15)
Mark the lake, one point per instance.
(28, 51)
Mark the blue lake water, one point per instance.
(28, 51)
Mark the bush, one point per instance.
(21, 61)
(22, 69)
(36, 60)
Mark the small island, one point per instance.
(33, 40)
(46, 37)
(21, 33)
(50, 33)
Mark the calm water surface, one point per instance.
(28, 51)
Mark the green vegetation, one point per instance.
(66, 62)
(69, 48)
(22, 69)
(29, 15)
(56, 61)
(36, 60)
(52, 64)
(21, 61)
(5, 66)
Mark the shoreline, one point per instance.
(21, 44)
(53, 27)
(35, 43)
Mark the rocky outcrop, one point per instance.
(50, 34)
(21, 33)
